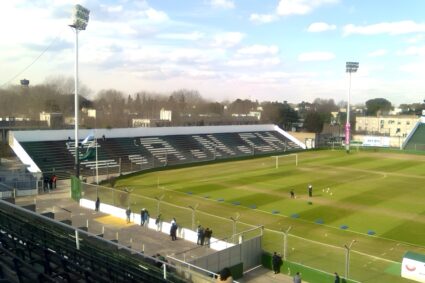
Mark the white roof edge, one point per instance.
(52, 135)
(292, 138)
(23, 155)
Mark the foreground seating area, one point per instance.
(36, 249)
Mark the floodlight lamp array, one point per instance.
(80, 17)
(351, 67)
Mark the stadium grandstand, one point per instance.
(123, 151)
(416, 138)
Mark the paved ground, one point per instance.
(137, 237)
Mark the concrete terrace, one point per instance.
(132, 235)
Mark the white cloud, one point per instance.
(182, 36)
(378, 53)
(225, 4)
(258, 49)
(316, 56)
(300, 7)
(201, 74)
(320, 27)
(155, 15)
(262, 18)
(254, 62)
(413, 68)
(394, 28)
(112, 9)
(413, 51)
(416, 39)
(227, 39)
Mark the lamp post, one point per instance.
(193, 208)
(351, 67)
(80, 19)
(235, 219)
(96, 145)
(347, 258)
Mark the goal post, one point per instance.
(277, 157)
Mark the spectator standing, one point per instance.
(97, 204)
(297, 278)
(158, 222)
(45, 183)
(173, 230)
(142, 216)
(208, 234)
(54, 180)
(337, 279)
(276, 262)
(128, 213)
(50, 183)
(146, 218)
(200, 232)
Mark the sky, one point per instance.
(265, 50)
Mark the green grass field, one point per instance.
(364, 191)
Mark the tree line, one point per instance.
(116, 109)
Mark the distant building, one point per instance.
(139, 122)
(54, 120)
(69, 120)
(89, 112)
(386, 125)
(165, 115)
(146, 123)
(252, 115)
(396, 111)
(256, 114)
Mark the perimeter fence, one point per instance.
(321, 257)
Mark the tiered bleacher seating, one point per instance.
(214, 145)
(36, 249)
(417, 138)
(161, 149)
(129, 154)
(51, 156)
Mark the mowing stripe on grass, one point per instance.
(298, 219)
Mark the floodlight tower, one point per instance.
(80, 19)
(351, 67)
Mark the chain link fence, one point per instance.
(319, 256)
(328, 258)
(187, 217)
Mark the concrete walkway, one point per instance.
(263, 275)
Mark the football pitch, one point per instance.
(373, 198)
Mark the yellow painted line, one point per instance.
(112, 220)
